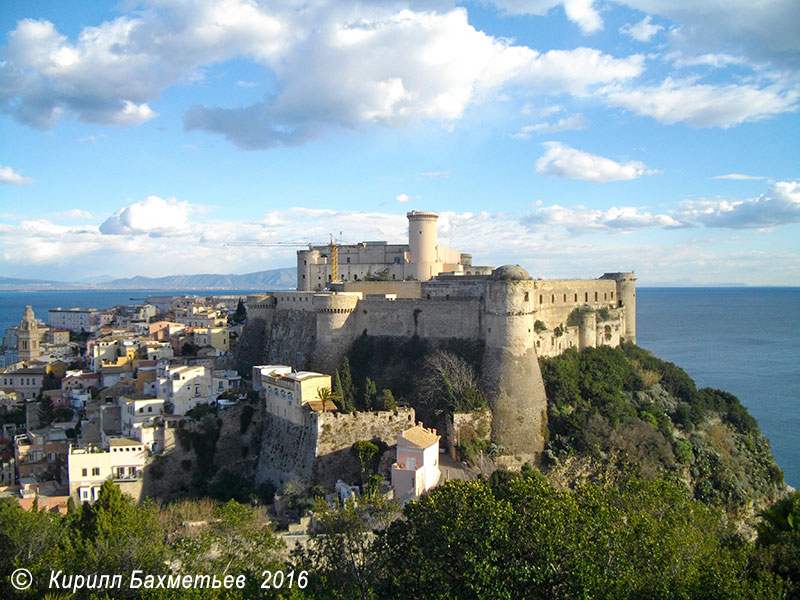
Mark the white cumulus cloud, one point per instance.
(11, 177)
(402, 198)
(562, 161)
(643, 31)
(579, 219)
(581, 12)
(330, 65)
(705, 105)
(153, 216)
(780, 205)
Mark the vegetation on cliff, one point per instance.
(516, 536)
(614, 410)
(436, 378)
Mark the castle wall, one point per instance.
(556, 299)
(318, 451)
(426, 318)
(336, 433)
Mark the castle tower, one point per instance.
(28, 336)
(588, 330)
(306, 258)
(511, 379)
(422, 245)
(626, 297)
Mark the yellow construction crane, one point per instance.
(333, 244)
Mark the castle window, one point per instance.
(565, 297)
(552, 298)
(348, 260)
(605, 296)
(612, 295)
(526, 297)
(305, 262)
(595, 296)
(541, 300)
(586, 297)
(304, 275)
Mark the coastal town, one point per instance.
(98, 394)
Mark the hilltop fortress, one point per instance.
(423, 289)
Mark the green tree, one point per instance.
(241, 312)
(115, 535)
(189, 349)
(370, 392)
(329, 398)
(348, 388)
(46, 412)
(345, 402)
(339, 553)
(385, 400)
(779, 541)
(365, 451)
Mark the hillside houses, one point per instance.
(128, 374)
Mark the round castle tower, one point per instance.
(626, 297)
(511, 377)
(422, 245)
(335, 329)
(306, 258)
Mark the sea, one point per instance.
(742, 340)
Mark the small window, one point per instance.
(348, 260)
(527, 297)
(552, 298)
(541, 299)
(84, 472)
(95, 471)
(586, 297)
(595, 296)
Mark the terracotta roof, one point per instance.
(419, 436)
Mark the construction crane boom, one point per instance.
(332, 243)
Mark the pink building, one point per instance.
(417, 468)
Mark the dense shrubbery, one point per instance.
(517, 537)
(116, 536)
(599, 408)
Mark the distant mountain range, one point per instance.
(274, 279)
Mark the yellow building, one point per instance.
(288, 394)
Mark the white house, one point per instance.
(417, 468)
(122, 461)
(185, 387)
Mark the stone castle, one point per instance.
(423, 289)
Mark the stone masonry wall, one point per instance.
(338, 432)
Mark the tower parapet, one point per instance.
(335, 328)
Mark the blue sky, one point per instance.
(572, 137)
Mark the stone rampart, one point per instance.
(318, 451)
